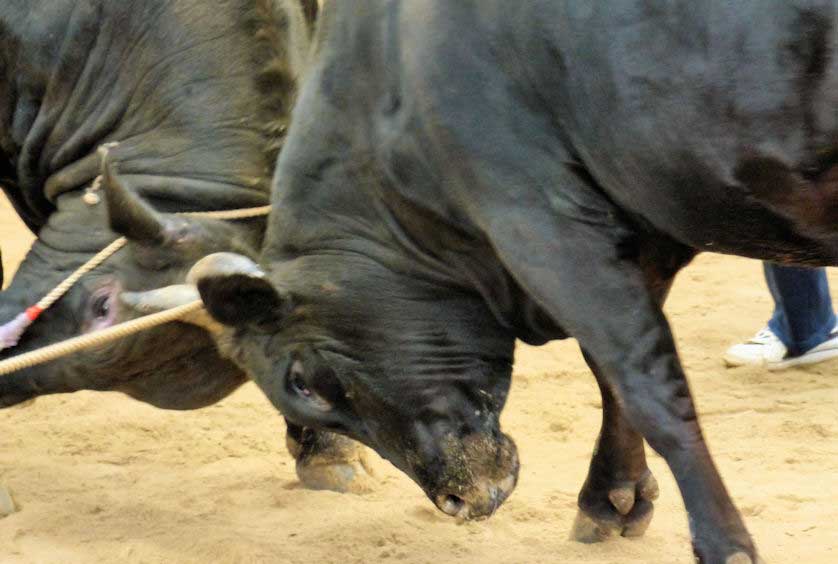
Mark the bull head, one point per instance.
(312, 335)
(186, 369)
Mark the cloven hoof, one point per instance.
(343, 476)
(742, 558)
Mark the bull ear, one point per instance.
(236, 292)
(128, 214)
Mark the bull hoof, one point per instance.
(331, 462)
(625, 510)
(724, 547)
(742, 558)
(736, 558)
(7, 504)
(341, 477)
(739, 558)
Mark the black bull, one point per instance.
(197, 95)
(459, 174)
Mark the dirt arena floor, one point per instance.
(101, 478)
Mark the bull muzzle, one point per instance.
(479, 475)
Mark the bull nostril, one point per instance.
(450, 504)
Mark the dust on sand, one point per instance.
(100, 478)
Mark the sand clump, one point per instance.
(7, 502)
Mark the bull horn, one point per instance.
(128, 214)
(223, 264)
(236, 292)
(161, 299)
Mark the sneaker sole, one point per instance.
(736, 362)
(803, 360)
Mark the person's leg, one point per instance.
(803, 315)
(802, 328)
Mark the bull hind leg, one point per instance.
(618, 494)
(327, 461)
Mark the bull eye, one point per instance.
(101, 306)
(298, 386)
(298, 383)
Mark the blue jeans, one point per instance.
(803, 316)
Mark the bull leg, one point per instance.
(618, 493)
(19, 388)
(326, 461)
(647, 377)
(593, 284)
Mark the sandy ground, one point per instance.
(102, 478)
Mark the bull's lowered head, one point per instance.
(175, 366)
(344, 344)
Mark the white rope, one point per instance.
(97, 338)
(55, 294)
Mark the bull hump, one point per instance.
(87, 84)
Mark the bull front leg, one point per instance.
(647, 377)
(589, 276)
(618, 494)
(327, 461)
(21, 388)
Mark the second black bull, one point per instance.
(197, 96)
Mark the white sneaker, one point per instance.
(766, 349)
